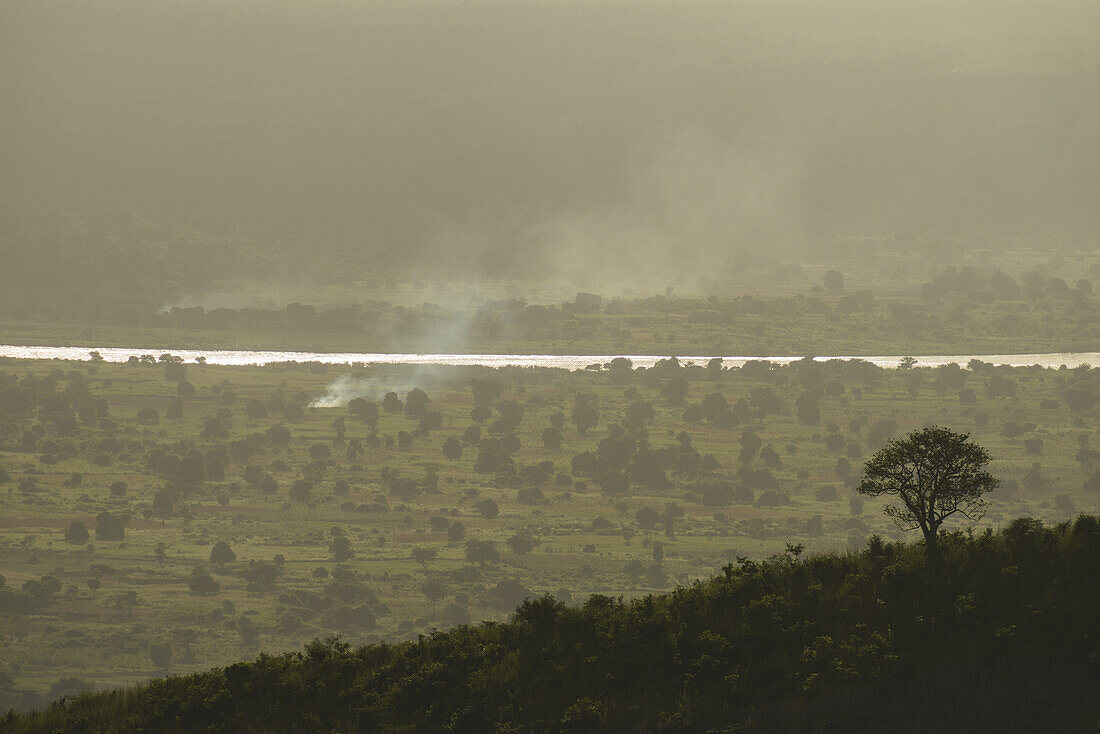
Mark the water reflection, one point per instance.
(568, 361)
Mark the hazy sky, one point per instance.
(478, 128)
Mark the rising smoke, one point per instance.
(346, 388)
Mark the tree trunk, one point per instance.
(931, 544)
(932, 554)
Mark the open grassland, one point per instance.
(616, 482)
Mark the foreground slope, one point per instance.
(1003, 635)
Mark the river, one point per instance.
(565, 361)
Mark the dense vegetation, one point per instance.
(1002, 635)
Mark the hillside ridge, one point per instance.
(1001, 634)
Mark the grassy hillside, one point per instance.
(1001, 637)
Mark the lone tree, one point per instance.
(936, 473)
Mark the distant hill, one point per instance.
(1003, 636)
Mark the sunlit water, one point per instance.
(565, 361)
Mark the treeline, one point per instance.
(995, 301)
(1000, 635)
(998, 285)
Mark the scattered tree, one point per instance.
(222, 554)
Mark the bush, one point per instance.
(202, 582)
(76, 533)
(109, 527)
(772, 498)
(221, 553)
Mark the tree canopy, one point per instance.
(935, 473)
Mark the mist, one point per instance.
(554, 138)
